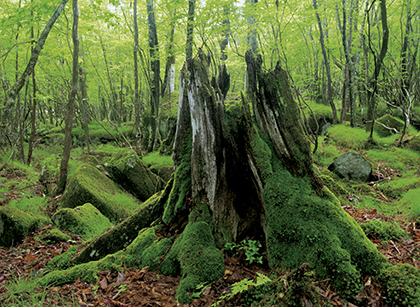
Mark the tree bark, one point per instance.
(136, 82)
(327, 66)
(378, 65)
(154, 81)
(69, 118)
(349, 63)
(190, 29)
(28, 71)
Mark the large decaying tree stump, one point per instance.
(239, 172)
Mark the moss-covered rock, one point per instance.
(351, 166)
(53, 235)
(304, 228)
(89, 185)
(388, 125)
(131, 173)
(16, 224)
(85, 220)
(194, 255)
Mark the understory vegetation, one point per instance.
(386, 208)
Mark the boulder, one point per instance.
(388, 125)
(85, 220)
(128, 170)
(16, 224)
(89, 185)
(52, 236)
(351, 166)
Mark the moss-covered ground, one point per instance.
(387, 210)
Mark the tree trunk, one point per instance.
(28, 71)
(154, 81)
(168, 85)
(33, 118)
(327, 66)
(350, 65)
(190, 29)
(136, 82)
(378, 65)
(234, 179)
(69, 118)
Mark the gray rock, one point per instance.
(351, 166)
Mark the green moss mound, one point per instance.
(52, 236)
(16, 224)
(400, 285)
(410, 204)
(304, 228)
(382, 124)
(131, 173)
(161, 165)
(62, 261)
(146, 249)
(194, 255)
(381, 230)
(89, 185)
(333, 186)
(85, 220)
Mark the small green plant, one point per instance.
(199, 290)
(242, 286)
(251, 248)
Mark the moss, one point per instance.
(85, 220)
(131, 173)
(364, 189)
(52, 236)
(85, 272)
(62, 261)
(161, 165)
(152, 256)
(381, 230)
(181, 188)
(390, 122)
(333, 186)
(304, 228)
(396, 187)
(395, 158)
(89, 185)
(35, 206)
(262, 154)
(146, 249)
(410, 204)
(16, 224)
(400, 284)
(195, 256)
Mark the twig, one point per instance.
(395, 246)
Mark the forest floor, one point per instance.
(139, 287)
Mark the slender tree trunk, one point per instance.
(168, 85)
(252, 35)
(154, 81)
(190, 29)
(378, 65)
(405, 75)
(28, 71)
(136, 82)
(327, 66)
(349, 64)
(72, 97)
(33, 118)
